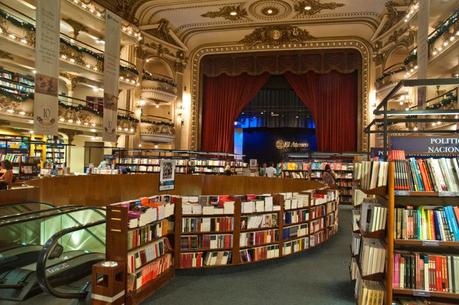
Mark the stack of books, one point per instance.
(370, 293)
(142, 256)
(143, 235)
(295, 231)
(259, 253)
(295, 246)
(259, 221)
(292, 217)
(149, 272)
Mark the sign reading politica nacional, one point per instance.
(291, 145)
(427, 145)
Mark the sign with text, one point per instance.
(45, 105)
(167, 175)
(111, 75)
(428, 145)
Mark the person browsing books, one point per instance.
(6, 175)
(328, 176)
(270, 171)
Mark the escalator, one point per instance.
(8, 210)
(49, 248)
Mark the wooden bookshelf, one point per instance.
(118, 249)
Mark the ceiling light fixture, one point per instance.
(233, 13)
(307, 8)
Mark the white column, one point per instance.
(423, 47)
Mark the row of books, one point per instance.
(372, 256)
(249, 239)
(373, 216)
(147, 233)
(259, 253)
(294, 246)
(316, 165)
(317, 225)
(148, 209)
(140, 257)
(295, 231)
(345, 176)
(371, 174)
(426, 175)
(16, 158)
(296, 201)
(182, 162)
(318, 211)
(201, 259)
(427, 223)
(149, 272)
(198, 209)
(370, 293)
(263, 204)
(317, 238)
(426, 272)
(207, 224)
(206, 241)
(319, 198)
(259, 221)
(296, 216)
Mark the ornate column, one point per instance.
(423, 47)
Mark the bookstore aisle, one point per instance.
(319, 276)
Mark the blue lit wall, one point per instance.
(259, 143)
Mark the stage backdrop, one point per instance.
(271, 144)
(326, 82)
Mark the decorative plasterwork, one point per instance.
(354, 43)
(229, 12)
(5, 55)
(163, 32)
(279, 10)
(313, 7)
(157, 94)
(76, 26)
(276, 35)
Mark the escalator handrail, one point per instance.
(37, 211)
(51, 215)
(43, 257)
(27, 202)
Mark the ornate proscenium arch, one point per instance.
(300, 48)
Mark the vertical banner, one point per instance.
(45, 106)
(111, 75)
(167, 175)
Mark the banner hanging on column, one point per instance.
(45, 106)
(111, 75)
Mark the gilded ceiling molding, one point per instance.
(349, 43)
(229, 12)
(270, 10)
(313, 7)
(76, 26)
(276, 35)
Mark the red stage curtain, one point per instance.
(332, 100)
(224, 98)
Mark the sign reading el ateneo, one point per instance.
(291, 145)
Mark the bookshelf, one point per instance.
(264, 227)
(313, 170)
(421, 234)
(187, 162)
(139, 236)
(16, 149)
(55, 151)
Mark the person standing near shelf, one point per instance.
(6, 176)
(227, 171)
(262, 171)
(328, 176)
(270, 171)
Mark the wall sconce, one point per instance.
(179, 113)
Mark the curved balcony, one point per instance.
(16, 103)
(76, 55)
(157, 130)
(158, 89)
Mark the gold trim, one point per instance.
(313, 7)
(353, 43)
(230, 12)
(276, 35)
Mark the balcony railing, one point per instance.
(157, 129)
(72, 50)
(16, 98)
